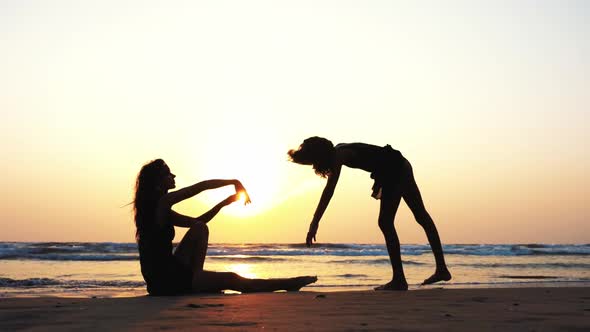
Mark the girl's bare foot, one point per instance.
(393, 286)
(443, 275)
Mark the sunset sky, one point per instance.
(489, 100)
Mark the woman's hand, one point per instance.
(241, 190)
(313, 229)
(230, 199)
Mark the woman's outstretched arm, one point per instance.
(181, 220)
(323, 204)
(188, 192)
(207, 216)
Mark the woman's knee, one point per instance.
(199, 229)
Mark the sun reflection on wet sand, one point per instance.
(245, 270)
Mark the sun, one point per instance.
(257, 169)
(242, 197)
(262, 187)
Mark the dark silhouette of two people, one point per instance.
(169, 271)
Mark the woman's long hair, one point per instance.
(147, 194)
(315, 151)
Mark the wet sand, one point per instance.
(512, 309)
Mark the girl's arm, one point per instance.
(207, 216)
(180, 195)
(181, 220)
(323, 204)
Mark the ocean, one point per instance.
(70, 269)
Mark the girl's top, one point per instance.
(384, 163)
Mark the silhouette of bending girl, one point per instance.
(393, 179)
(181, 272)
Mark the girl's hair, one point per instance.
(147, 194)
(315, 151)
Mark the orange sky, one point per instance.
(489, 102)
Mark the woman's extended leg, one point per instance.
(412, 197)
(387, 211)
(192, 249)
(214, 282)
(191, 252)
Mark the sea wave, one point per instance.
(299, 250)
(377, 261)
(527, 265)
(58, 257)
(49, 282)
(518, 250)
(251, 259)
(108, 251)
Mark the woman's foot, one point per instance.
(294, 284)
(393, 286)
(443, 275)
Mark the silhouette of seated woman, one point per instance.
(181, 272)
(393, 179)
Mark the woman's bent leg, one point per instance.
(214, 282)
(192, 249)
(413, 198)
(387, 211)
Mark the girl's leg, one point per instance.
(191, 252)
(412, 197)
(192, 249)
(388, 208)
(214, 282)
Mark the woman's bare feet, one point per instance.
(393, 286)
(295, 284)
(443, 275)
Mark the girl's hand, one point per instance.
(230, 199)
(246, 197)
(241, 190)
(313, 229)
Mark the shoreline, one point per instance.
(433, 309)
(106, 292)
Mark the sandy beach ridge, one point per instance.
(436, 309)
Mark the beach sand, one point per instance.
(435, 309)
